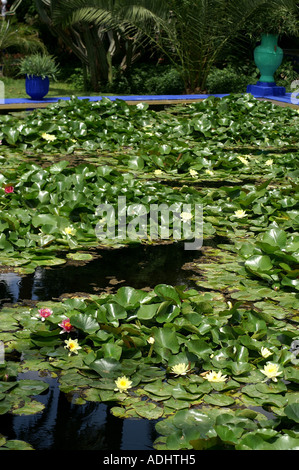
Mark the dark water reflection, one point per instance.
(138, 267)
(66, 426)
(63, 425)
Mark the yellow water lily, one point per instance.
(158, 172)
(210, 172)
(69, 231)
(122, 384)
(271, 371)
(72, 345)
(265, 352)
(240, 214)
(180, 369)
(193, 173)
(269, 162)
(48, 137)
(214, 376)
(243, 160)
(186, 216)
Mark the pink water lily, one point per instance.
(44, 313)
(66, 326)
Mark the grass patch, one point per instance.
(15, 88)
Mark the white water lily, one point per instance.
(151, 340)
(269, 162)
(72, 345)
(193, 173)
(69, 231)
(185, 216)
(180, 369)
(48, 137)
(271, 371)
(214, 376)
(240, 214)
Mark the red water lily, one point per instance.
(9, 189)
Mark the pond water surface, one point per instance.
(64, 425)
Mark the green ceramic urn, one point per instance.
(268, 57)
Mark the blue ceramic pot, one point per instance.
(37, 87)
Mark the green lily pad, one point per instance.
(219, 399)
(29, 408)
(107, 367)
(80, 256)
(292, 412)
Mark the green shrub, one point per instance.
(229, 80)
(141, 79)
(147, 79)
(76, 79)
(166, 80)
(286, 74)
(234, 79)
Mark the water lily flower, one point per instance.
(271, 371)
(214, 376)
(210, 172)
(269, 162)
(151, 342)
(240, 214)
(185, 216)
(265, 352)
(48, 137)
(243, 160)
(66, 326)
(45, 313)
(72, 345)
(193, 173)
(158, 172)
(69, 231)
(122, 384)
(9, 189)
(180, 369)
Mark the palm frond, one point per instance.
(21, 36)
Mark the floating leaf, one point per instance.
(219, 399)
(107, 367)
(85, 322)
(292, 412)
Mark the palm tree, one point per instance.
(18, 35)
(94, 43)
(191, 33)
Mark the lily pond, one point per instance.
(138, 342)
